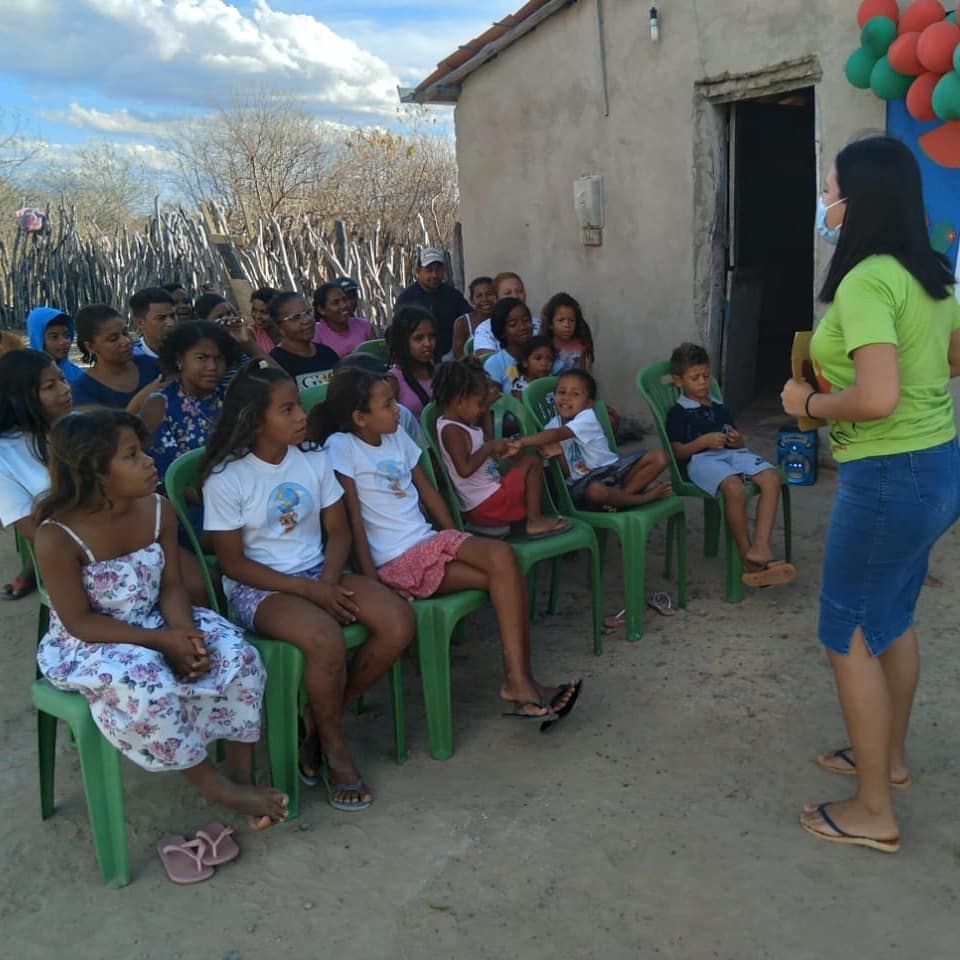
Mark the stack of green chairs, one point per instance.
(310, 397)
(531, 552)
(378, 348)
(632, 527)
(657, 388)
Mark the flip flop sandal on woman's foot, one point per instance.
(217, 844)
(774, 574)
(851, 769)
(552, 532)
(519, 714)
(183, 859)
(17, 588)
(561, 712)
(841, 836)
(345, 806)
(308, 779)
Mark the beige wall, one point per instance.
(531, 121)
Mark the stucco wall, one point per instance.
(531, 121)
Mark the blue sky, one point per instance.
(75, 71)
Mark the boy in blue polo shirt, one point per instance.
(702, 432)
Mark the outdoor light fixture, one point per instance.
(654, 25)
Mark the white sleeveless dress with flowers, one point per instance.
(138, 704)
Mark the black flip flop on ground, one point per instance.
(566, 708)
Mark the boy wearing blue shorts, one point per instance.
(702, 432)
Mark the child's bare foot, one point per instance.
(263, 806)
(546, 526)
(657, 491)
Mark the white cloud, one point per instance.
(121, 122)
(191, 53)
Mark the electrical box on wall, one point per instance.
(588, 203)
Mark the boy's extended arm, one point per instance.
(546, 437)
(457, 444)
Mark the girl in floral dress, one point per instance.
(163, 681)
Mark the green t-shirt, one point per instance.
(879, 301)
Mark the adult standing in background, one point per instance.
(154, 311)
(884, 354)
(431, 291)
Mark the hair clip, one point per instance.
(262, 364)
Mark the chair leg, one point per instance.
(284, 670)
(712, 522)
(399, 711)
(532, 592)
(47, 757)
(103, 785)
(677, 528)
(668, 553)
(433, 641)
(554, 602)
(596, 592)
(635, 581)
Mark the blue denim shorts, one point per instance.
(888, 514)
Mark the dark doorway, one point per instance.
(772, 202)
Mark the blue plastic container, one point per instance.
(797, 454)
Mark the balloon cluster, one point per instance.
(915, 55)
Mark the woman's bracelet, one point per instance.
(806, 406)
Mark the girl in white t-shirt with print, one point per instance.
(33, 394)
(378, 467)
(264, 494)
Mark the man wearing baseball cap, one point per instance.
(430, 290)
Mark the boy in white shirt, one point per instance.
(598, 477)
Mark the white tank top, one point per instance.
(484, 482)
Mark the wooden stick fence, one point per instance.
(68, 267)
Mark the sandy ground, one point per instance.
(660, 820)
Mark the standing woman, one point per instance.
(33, 394)
(884, 353)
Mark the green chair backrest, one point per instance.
(468, 347)
(183, 476)
(656, 387)
(378, 348)
(538, 399)
(310, 397)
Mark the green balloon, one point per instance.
(858, 68)
(877, 35)
(951, 17)
(946, 97)
(886, 83)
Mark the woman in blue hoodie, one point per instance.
(52, 331)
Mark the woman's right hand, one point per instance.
(186, 652)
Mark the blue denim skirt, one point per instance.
(888, 514)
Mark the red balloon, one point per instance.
(920, 14)
(877, 8)
(903, 55)
(936, 46)
(920, 96)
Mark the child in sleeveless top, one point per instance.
(564, 323)
(163, 681)
(486, 498)
(378, 467)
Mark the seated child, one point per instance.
(598, 477)
(702, 432)
(52, 331)
(487, 499)
(483, 299)
(564, 324)
(413, 340)
(536, 360)
(513, 327)
(163, 680)
(378, 467)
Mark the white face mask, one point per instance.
(830, 234)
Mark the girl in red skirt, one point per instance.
(384, 487)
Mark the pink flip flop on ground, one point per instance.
(217, 844)
(183, 860)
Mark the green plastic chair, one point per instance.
(100, 765)
(468, 347)
(530, 553)
(632, 527)
(656, 387)
(284, 663)
(378, 348)
(310, 397)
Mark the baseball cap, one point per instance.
(347, 284)
(430, 255)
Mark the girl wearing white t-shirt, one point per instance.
(378, 467)
(33, 394)
(264, 494)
